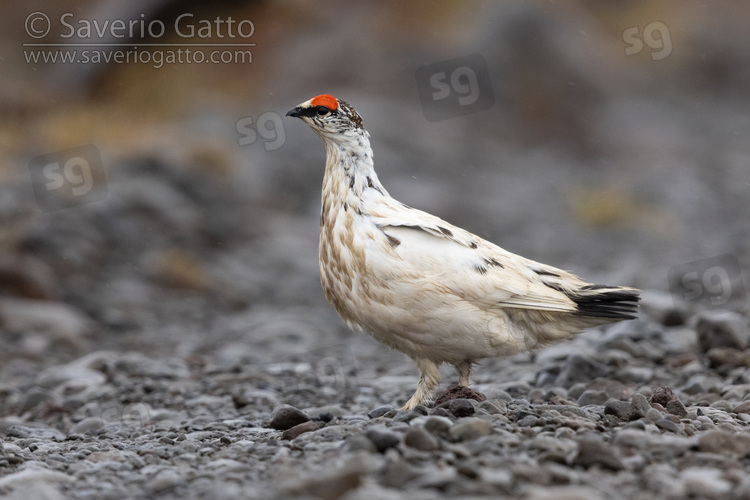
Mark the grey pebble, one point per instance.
(440, 412)
(592, 398)
(418, 438)
(743, 407)
(382, 411)
(493, 407)
(360, 442)
(529, 421)
(88, 425)
(406, 415)
(580, 368)
(34, 431)
(459, 407)
(382, 438)
(438, 425)
(620, 409)
(639, 406)
(299, 429)
(723, 442)
(285, 417)
(667, 425)
(722, 329)
(470, 428)
(593, 451)
(653, 415)
(675, 407)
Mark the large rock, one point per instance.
(722, 329)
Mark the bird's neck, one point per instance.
(350, 171)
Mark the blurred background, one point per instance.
(157, 200)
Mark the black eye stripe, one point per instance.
(322, 110)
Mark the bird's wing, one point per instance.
(469, 266)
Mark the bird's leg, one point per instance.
(429, 378)
(463, 368)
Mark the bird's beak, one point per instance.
(296, 111)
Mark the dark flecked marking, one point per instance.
(446, 231)
(394, 242)
(479, 269)
(494, 263)
(542, 272)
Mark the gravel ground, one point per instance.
(658, 406)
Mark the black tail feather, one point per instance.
(599, 301)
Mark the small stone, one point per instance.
(668, 425)
(675, 407)
(406, 415)
(420, 439)
(579, 368)
(620, 409)
(705, 482)
(612, 388)
(528, 421)
(493, 393)
(327, 486)
(592, 451)
(460, 408)
(285, 417)
(725, 357)
(743, 407)
(722, 329)
(299, 429)
(88, 425)
(592, 398)
(440, 412)
(636, 424)
(106, 456)
(470, 428)
(653, 415)
(163, 481)
(493, 407)
(727, 443)
(360, 442)
(664, 308)
(34, 397)
(34, 431)
(382, 438)
(498, 478)
(639, 406)
(663, 395)
(567, 492)
(421, 409)
(438, 425)
(381, 411)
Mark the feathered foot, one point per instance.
(429, 378)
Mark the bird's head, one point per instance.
(329, 117)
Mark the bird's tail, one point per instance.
(613, 303)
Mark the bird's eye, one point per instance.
(322, 111)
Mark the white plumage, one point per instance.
(426, 287)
